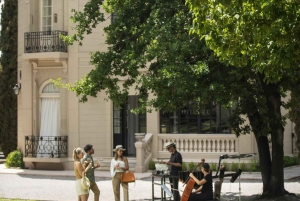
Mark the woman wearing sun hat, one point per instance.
(118, 165)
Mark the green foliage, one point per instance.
(8, 76)
(213, 167)
(151, 165)
(184, 166)
(91, 20)
(234, 166)
(191, 165)
(240, 38)
(290, 161)
(14, 159)
(263, 36)
(158, 39)
(243, 166)
(254, 165)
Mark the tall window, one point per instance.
(49, 111)
(211, 119)
(46, 15)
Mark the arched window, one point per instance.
(49, 110)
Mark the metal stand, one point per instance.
(239, 181)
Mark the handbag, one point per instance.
(85, 182)
(127, 177)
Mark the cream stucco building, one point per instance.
(52, 122)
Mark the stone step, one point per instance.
(105, 163)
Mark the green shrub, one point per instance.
(184, 166)
(14, 159)
(151, 165)
(192, 166)
(213, 167)
(234, 166)
(254, 166)
(243, 167)
(290, 161)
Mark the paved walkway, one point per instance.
(289, 173)
(59, 185)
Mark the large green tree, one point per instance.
(8, 76)
(262, 35)
(151, 47)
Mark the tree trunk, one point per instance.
(277, 131)
(265, 162)
(262, 142)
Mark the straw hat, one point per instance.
(119, 147)
(169, 144)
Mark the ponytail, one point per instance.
(76, 151)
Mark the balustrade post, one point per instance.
(204, 146)
(208, 145)
(232, 146)
(223, 145)
(140, 154)
(218, 146)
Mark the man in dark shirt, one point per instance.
(175, 163)
(89, 150)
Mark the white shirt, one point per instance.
(113, 164)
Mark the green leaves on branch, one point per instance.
(261, 32)
(85, 21)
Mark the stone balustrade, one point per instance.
(191, 144)
(143, 151)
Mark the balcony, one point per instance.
(46, 146)
(44, 41)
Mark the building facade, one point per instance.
(52, 122)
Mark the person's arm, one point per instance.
(112, 167)
(178, 161)
(98, 164)
(198, 189)
(84, 161)
(81, 169)
(203, 181)
(174, 164)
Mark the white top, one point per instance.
(113, 164)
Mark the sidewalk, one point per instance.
(289, 173)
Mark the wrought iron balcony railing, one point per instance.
(46, 146)
(45, 41)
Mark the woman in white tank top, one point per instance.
(118, 165)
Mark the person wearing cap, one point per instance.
(175, 163)
(89, 150)
(205, 191)
(118, 165)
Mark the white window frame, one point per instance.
(42, 15)
(45, 95)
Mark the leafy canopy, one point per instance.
(263, 32)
